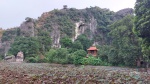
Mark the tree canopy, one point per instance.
(28, 45)
(142, 25)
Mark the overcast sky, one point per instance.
(14, 12)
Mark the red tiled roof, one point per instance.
(92, 48)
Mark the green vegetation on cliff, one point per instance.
(75, 31)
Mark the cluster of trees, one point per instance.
(32, 46)
(124, 47)
(38, 49)
(78, 57)
(142, 26)
(70, 53)
(8, 35)
(129, 38)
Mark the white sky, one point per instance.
(14, 12)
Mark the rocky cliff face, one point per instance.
(82, 27)
(79, 29)
(27, 28)
(4, 47)
(73, 22)
(93, 27)
(55, 35)
(7, 39)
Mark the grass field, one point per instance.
(44, 73)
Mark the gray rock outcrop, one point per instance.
(27, 28)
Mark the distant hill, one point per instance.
(70, 22)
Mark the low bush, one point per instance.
(44, 60)
(58, 56)
(31, 59)
(78, 56)
(92, 61)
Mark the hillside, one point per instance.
(72, 22)
(56, 28)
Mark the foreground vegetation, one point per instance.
(43, 73)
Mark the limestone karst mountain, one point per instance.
(70, 22)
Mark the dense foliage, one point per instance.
(86, 43)
(44, 41)
(28, 45)
(125, 45)
(142, 25)
(9, 34)
(58, 56)
(66, 42)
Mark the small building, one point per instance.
(19, 57)
(92, 51)
(65, 6)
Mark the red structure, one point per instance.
(92, 51)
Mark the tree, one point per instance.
(51, 55)
(142, 25)
(84, 41)
(76, 46)
(125, 45)
(103, 52)
(9, 34)
(28, 45)
(78, 56)
(66, 42)
(142, 12)
(45, 41)
(58, 56)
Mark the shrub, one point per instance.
(41, 60)
(70, 58)
(57, 56)
(78, 56)
(92, 61)
(51, 55)
(31, 60)
(77, 60)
